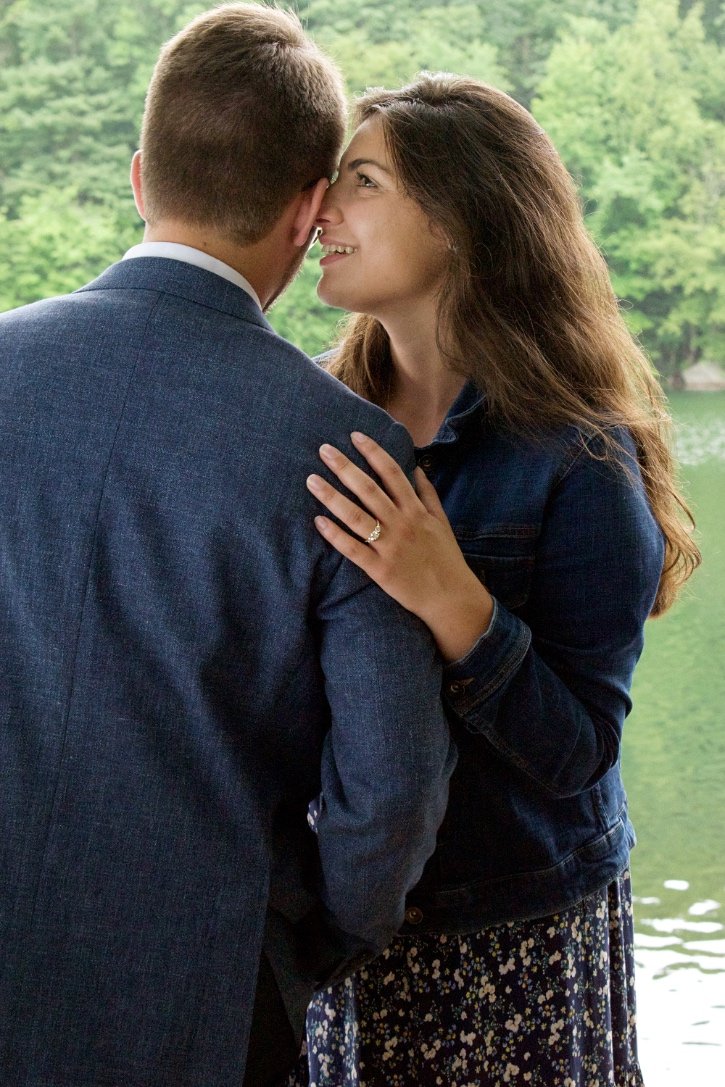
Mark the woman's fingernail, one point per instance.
(358, 438)
(322, 523)
(315, 483)
(328, 452)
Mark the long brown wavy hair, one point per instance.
(527, 310)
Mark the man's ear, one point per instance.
(136, 184)
(309, 203)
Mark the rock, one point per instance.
(704, 377)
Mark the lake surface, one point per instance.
(674, 768)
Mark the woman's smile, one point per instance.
(334, 251)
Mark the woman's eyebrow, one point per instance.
(355, 163)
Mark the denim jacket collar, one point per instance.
(468, 406)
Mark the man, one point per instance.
(184, 663)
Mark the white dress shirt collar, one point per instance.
(186, 253)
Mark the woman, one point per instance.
(545, 530)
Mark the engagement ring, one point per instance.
(375, 534)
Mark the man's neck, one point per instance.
(253, 262)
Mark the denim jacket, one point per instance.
(567, 545)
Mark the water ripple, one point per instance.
(700, 443)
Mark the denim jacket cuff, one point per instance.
(471, 682)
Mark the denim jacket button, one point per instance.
(455, 687)
(413, 915)
(426, 462)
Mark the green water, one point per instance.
(674, 767)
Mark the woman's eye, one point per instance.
(364, 181)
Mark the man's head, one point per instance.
(242, 113)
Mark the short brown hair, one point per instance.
(242, 112)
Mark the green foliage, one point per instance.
(379, 44)
(513, 38)
(524, 32)
(72, 82)
(631, 92)
(634, 112)
(57, 243)
(299, 315)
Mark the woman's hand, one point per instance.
(415, 558)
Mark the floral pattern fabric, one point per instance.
(546, 1003)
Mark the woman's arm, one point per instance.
(548, 688)
(416, 558)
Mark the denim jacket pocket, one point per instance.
(502, 557)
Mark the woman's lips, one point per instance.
(334, 251)
(332, 258)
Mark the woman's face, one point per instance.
(390, 261)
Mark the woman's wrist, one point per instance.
(460, 618)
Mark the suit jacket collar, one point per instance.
(183, 280)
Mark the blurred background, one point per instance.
(633, 94)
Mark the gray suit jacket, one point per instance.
(184, 663)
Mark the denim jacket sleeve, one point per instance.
(549, 687)
(387, 757)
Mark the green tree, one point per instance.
(634, 113)
(632, 96)
(392, 44)
(520, 33)
(72, 83)
(525, 31)
(56, 243)
(713, 17)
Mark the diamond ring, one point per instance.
(375, 534)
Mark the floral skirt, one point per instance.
(546, 1003)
